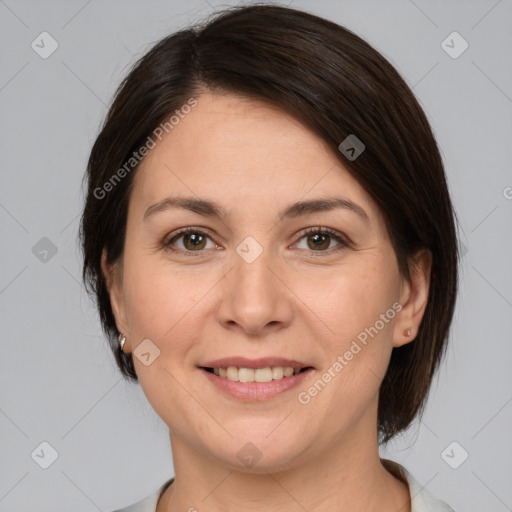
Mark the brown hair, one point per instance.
(336, 84)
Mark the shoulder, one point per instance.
(421, 499)
(147, 504)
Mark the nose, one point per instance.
(256, 300)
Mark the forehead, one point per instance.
(233, 147)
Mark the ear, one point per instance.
(114, 281)
(413, 297)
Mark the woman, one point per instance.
(272, 246)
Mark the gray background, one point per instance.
(58, 381)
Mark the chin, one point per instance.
(261, 453)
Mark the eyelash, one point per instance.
(342, 243)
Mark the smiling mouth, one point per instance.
(265, 374)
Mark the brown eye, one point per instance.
(194, 241)
(188, 240)
(318, 241)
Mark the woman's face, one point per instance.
(255, 283)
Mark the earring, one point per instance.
(121, 340)
(407, 332)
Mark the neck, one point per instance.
(343, 476)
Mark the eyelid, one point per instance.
(343, 241)
(166, 242)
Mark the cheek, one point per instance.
(354, 312)
(165, 306)
(163, 302)
(350, 298)
(357, 309)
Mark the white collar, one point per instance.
(421, 499)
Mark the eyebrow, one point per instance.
(212, 209)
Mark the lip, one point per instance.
(243, 362)
(255, 391)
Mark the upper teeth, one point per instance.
(266, 374)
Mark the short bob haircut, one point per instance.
(336, 84)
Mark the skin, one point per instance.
(254, 160)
